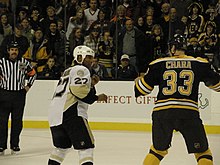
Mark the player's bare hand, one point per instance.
(95, 79)
(1, 77)
(102, 97)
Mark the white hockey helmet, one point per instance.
(82, 51)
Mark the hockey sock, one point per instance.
(204, 158)
(154, 156)
(88, 163)
(52, 162)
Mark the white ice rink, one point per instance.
(112, 148)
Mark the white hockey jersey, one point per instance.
(75, 84)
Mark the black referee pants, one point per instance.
(11, 102)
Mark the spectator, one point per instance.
(158, 43)
(149, 24)
(210, 13)
(78, 21)
(56, 44)
(35, 18)
(157, 6)
(91, 13)
(213, 16)
(132, 42)
(51, 17)
(218, 7)
(83, 5)
(149, 11)
(60, 26)
(125, 70)
(27, 30)
(208, 39)
(164, 20)
(175, 25)
(181, 7)
(72, 7)
(129, 8)
(106, 52)
(99, 69)
(19, 38)
(76, 38)
(184, 21)
(141, 25)
(6, 28)
(37, 53)
(92, 39)
(195, 20)
(194, 48)
(118, 20)
(22, 13)
(103, 5)
(101, 23)
(50, 70)
(140, 8)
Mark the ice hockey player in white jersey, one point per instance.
(68, 110)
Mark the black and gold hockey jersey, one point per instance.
(178, 79)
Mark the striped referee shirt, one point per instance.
(14, 74)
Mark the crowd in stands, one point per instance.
(48, 31)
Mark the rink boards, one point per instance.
(122, 111)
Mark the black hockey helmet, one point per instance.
(179, 41)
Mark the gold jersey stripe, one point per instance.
(177, 58)
(215, 86)
(174, 106)
(146, 85)
(174, 99)
(139, 89)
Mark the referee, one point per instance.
(13, 72)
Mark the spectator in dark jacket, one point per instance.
(50, 71)
(56, 44)
(19, 38)
(132, 41)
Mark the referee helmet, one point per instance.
(13, 44)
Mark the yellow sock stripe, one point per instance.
(161, 153)
(207, 152)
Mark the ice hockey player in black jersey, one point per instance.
(178, 78)
(68, 110)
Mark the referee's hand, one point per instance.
(27, 88)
